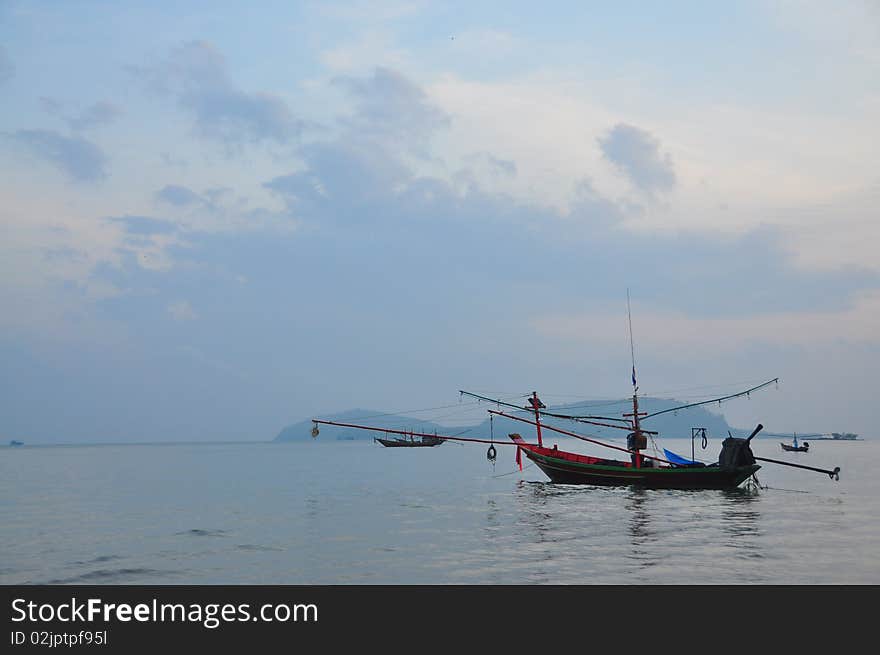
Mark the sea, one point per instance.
(354, 512)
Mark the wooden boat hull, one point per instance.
(794, 449)
(402, 443)
(571, 468)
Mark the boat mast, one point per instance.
(636, 441)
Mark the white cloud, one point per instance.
(737, 167)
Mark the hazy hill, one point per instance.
(671, 425)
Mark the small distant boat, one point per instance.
(410, 441)
(794, 447)
(14, 443)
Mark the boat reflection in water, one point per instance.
(640, 534)
(636, 499)
(739, 518)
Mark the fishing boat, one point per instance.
(735, 465)
(736, 462)
(793, 447)
(572, 468)
(424, 440)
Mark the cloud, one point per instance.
(179, 196)
(392, 110)
(197, 75)
(80, 159)
(492, 165)
(7, 68)
(144, 225)
(593, 209)
(670, 329)
(99, 114)
(345, 181)
(504, 166)
(359, 175)
(51, 106)
(181, 310)
(637, 154)
(359, 187)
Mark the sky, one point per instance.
(217, 219)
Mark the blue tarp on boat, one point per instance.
(677, 459)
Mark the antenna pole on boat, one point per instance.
(537, 405)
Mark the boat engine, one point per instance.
(736, 452)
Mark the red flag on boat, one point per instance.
(519, 457)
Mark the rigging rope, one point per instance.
(715, 400)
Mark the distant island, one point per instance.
(669, 425)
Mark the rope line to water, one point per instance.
(795, 491)
(501, 475)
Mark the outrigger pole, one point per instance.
(407, 432)
(834, 475)
(474, 440)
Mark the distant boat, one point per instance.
(410, 441)
(794, 447)
(16, 443)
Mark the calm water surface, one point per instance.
(356, 513)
